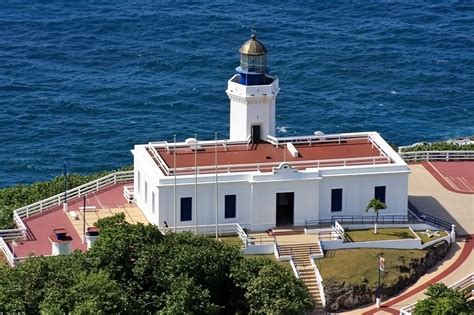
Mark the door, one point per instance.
(285, 208)
(255, 133)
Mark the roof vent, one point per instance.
(60, 242)
(193, 143)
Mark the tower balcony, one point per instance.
(235, 88)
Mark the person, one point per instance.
(166, 224)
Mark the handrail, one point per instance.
(319, 280)
(419, 156)
(79, 191)
(374, 160)
(294, 266)
(7, 252)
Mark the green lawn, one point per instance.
(426, 239)
(382, 234)
(357, 266)
(272, 257)
(232, 240)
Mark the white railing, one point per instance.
(243, 235)
(7, 252)
(128, 193)
(93, 186)
(319, 280)
(45, 204)
(268, 167)
(463, 284)
(315, 139)
(420, 156)
(294, 267)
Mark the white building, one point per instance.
(262, 181)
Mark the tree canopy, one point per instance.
(134, 269)
(442, 300)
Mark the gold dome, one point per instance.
(253, 47)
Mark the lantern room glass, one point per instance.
(251, 63)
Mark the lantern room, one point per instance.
(253, 62)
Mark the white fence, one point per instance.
(319, 280)
(465, 283)
(420, 156)
(57, 200)
(7, 252)
(79, 191)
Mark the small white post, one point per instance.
(378, 301)
(453, 233)
(65, 206)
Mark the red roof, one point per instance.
(266, 155)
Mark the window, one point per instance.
(336, 200)
(153, 202)
(380, 193)
(186, 208)
(146, 192)
(230, 205)
(138, 181)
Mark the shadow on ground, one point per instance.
(431, 206)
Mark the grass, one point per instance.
(382, 234)
(232, 240)
(425, 238)
(285, 264)
(358, 266)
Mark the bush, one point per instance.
(440, 146)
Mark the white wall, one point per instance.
(359, 189)
(205, 203)
(264, 201)
(251, 105)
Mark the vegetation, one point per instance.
(359, 266)
(442, 300)
(425, 238)
(376, 205)
(440, 146)
(383, 234)
(232, 240)
(18, 196)
(134, 269)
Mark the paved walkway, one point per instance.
(454, 176)
(429, 196)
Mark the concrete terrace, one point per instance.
(107, 202)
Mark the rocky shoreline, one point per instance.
(342, 296)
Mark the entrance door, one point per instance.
(285, 208)
(255, 133)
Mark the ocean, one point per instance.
(83, 81)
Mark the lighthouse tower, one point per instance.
(252, 94)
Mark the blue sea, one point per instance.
(83, 81)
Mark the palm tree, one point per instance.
(376, 205)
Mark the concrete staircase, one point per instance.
(300, 254)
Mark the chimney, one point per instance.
(92, 235)
(60, 242)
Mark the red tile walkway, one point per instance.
(466, 251)
(454, 176)
(41, 226)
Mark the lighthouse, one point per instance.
(252, 93)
